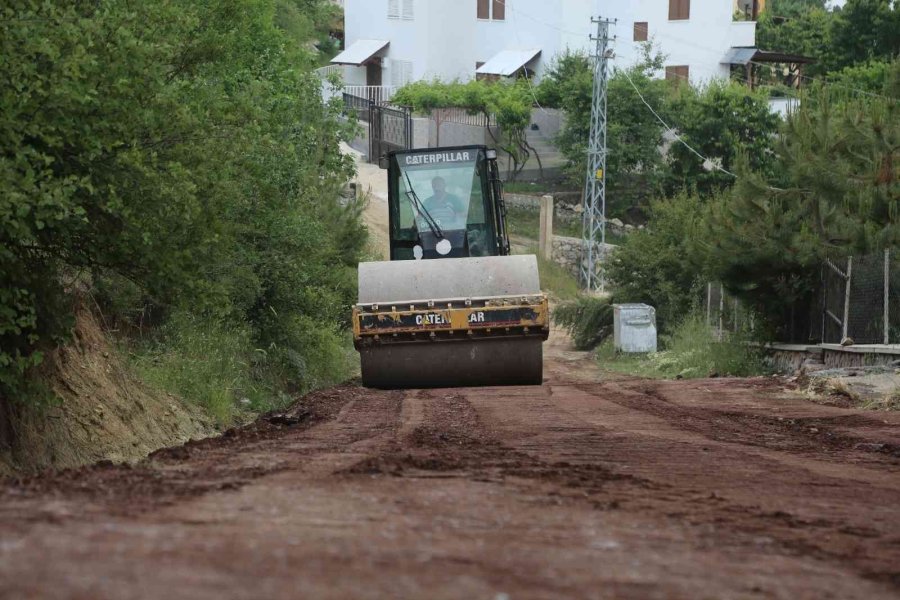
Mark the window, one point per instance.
(640, 31)
(679, 10)
(484, 9)
(401, 72)
(499, 10)
(677, 74)
(400, 9)
(492, 10)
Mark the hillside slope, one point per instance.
(102, 411)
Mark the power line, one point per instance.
(672, 131)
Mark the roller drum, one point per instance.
(516, 361)
(507, 359)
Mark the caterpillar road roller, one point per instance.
(451, 307)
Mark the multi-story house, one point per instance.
(392, 42)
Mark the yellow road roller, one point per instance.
(451, 307)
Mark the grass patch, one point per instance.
(526, 223)
(691, 352)
(890, 402)
(205, 362)
(558, 283)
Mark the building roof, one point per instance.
(507, 62)
(359, 52)
(745, 55)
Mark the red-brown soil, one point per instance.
(582, 488)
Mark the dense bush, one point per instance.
(721, 120)
(662, 265)
(841, 194)
(179, 152)
(690, 351)
(588, 319)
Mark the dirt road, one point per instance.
(581, 488)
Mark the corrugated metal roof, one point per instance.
(739, 56)
(745, 55)
(508, 62)
(359, 52)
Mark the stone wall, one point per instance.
(567, 253)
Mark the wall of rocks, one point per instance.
(567, 208)
(567, 252)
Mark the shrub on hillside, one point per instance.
(182, 147)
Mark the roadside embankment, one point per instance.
(99, 411)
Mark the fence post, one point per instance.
(887, 291)
(545, 241)
(721, 311)
(847, 297)
(709, 304)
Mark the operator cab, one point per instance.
(445, 203)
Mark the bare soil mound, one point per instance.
(102, 411)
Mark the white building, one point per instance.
(393, 42)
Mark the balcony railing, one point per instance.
(379, 94)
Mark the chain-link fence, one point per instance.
(858, 300)
(724, 312)
(861, 295)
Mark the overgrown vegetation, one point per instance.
(690, 352)
(175, 160)
(690, 349)
(823, 182)
(633, 138)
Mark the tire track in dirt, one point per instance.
(444, 436)
(740, 492)
(822, 435)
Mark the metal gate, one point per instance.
(390, 129)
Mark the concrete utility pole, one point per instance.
(594, 226)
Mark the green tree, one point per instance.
(861, 32)
(842, 195)
(720, 121)
(864, 30)
(634, 166)
(798, 28)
